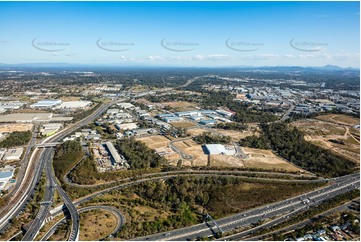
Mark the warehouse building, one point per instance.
(218, 149)
(115, 157)
(172, 119)
(11, 105)
(13, 154)
(224, 113)
(128, 126)
(50, 129)
(208, 122)
(32, 118)
(126, 105)
(46, 103)
(25, 117)
(74, 105)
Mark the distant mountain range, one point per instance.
(109, 66)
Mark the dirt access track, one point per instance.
(333, 132)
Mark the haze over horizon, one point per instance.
(201, 34)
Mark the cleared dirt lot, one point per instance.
(158, 141)
(265, 159)
(183, 124)
(234, 134)
(192, 148)
(180, 106)
(8, 128)
(340, 119)
(69, 98)
(155, 141)
(200, 159)
(257, 158)
(196, 131)
(338, 138)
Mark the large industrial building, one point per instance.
(128, 126)
(25, 117)
(32, 118)
(126, 105)
(46, 103)
(218, 149)
(50, 129)
(13, 154)
(10, 106)
(74, 105)
(115, 155)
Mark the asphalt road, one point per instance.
(190, 172)
(74, 234)
(179, 151)
(116, 212)
(287, 114)
(302, 223)
(48, 196)
(282, 210)
(27, 186)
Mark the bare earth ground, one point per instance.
(15, 127)
(183, 124)
(158, 141)
(320, 133)
(180, 106)
(196, 131)
(234, 134)
(192, 148)
(340, 119)
(96, 224)
(69, 98)
(200, 159)
(265, 159)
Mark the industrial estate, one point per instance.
(201, 157)
(179, 121)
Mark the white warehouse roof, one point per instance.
(74, 104)
(13, 154)
(215, 149)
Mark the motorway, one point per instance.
(166, 175)
(277, 212)
(343, 207)
(46, 204)
(284, 208)
(32, 176)
(116, 212)
(190, 172)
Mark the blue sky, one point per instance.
(181, 33)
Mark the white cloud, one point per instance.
(210, 57)
(321, 55)
(348, 56)
(154, 58)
